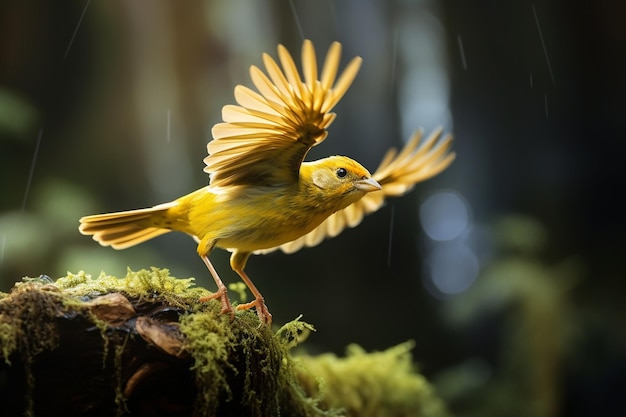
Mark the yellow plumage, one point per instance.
(262, 196)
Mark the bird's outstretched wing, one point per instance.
(265, 138)
(397, 174)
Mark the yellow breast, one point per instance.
(247, 219)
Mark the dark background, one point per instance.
(108, 106)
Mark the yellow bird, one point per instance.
(261, 195)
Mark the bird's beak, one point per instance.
(367, 185)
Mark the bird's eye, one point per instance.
(341, 172)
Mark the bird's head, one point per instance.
(339, 179)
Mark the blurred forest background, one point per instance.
(506, 269)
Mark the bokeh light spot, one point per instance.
(444, 215)
(453, 268)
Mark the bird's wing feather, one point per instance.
(397, 174)
(264, 139)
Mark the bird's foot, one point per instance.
(221, 293)
(261, 310)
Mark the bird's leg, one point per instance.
(222, 292)
(259, 302)
(238, 262)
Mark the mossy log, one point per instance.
(143, 345)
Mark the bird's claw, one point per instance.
(261, 310)
(223, 296)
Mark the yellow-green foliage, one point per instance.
(379, 384)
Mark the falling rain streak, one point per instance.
(67, 50)
(295, 16)
(169, 119)
(32, 169)
(462, 51)
(543, 45)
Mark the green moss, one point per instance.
(245, 364)
(28, 327)
(146, 284)
(240, 366)
(27, 319)
(370, 384)
(8, 340)
(211, 343)
(120, 400)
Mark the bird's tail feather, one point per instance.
(124, 229)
